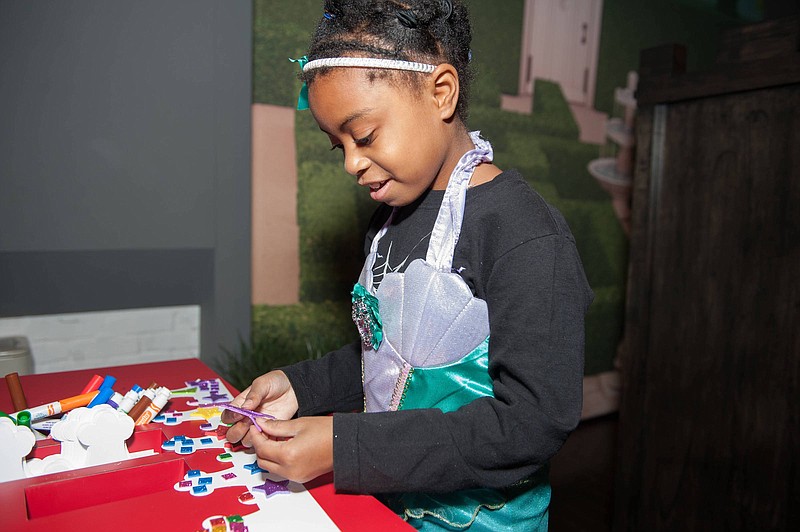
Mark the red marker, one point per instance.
(93, 385)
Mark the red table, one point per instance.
(348, 512)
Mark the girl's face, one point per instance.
(393, 138)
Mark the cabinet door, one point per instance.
(560, 44)
(709, 424)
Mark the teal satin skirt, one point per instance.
(522, 506)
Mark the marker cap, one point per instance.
(108, 382)
(24, 419)
(103, 395)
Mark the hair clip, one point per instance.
(243, 411)
(302, 98)
(447, 8)
(328, 15)
(407, 18)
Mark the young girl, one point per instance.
(470, 305)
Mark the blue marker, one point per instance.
(108, 382)
(103, 395)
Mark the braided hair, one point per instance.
(428, 31)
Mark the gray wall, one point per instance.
(125, 159)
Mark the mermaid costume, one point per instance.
(425, 344)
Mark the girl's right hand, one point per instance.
(271, 393)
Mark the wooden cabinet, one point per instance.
(709, 424)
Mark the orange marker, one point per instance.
(57, 407)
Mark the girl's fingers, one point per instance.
(238, 431)
(230, 417)
(276, 428)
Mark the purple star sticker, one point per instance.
(215, 397)
(270, 487)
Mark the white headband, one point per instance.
(368, 62)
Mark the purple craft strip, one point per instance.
(252, 414)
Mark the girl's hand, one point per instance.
(300, 449)
(271, 393)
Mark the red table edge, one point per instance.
(373, 514)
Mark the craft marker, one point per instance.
(93, 384)
(152, 410)
(115, 400)
(103, 395)
(57, 407)
(44, 425)
(108, 382)
(130, 399)
(15, 389)
(144, 401)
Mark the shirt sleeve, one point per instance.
(537, 297)
(328, 384)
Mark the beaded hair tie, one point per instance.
(368, 62)
(364, 62)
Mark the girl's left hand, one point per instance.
(299, 449)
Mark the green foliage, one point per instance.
(493, 45)
(524, 153)
(485, 88)
(283, 335)
(333, 213)
(601, 242)
(546, 190)
(330, 235)
(567, 162)
(312, 144)
(551, 112)
(551, 117)
(280, 30)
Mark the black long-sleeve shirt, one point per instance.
(517, 253)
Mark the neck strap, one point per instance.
(447, 227)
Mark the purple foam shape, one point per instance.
(270, 487)
(215, 397)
